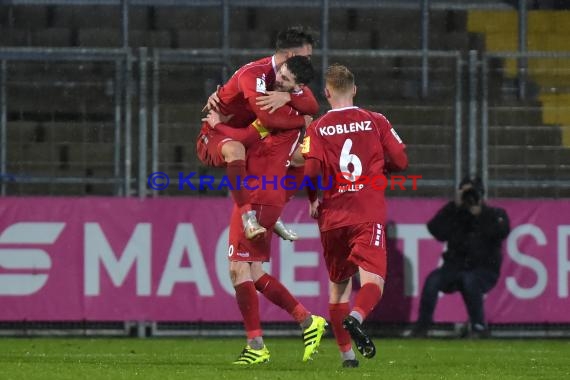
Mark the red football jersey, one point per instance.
(267, 163)
(351, 143)
(237, 97)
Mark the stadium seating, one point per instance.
(548, 31)
(75, 102)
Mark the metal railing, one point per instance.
(539, 160)
(129, 173)
(121, 59)
(496, 102)
(424, 6)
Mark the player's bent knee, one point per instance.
(233, 150)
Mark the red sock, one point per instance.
(337, 312)
(275, 292)
(236, 173)
(366, 299)
(248, 304)
(298, 172)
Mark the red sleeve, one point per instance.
(304, 101)
(312, 153)
(394, 149)
(397, 161)
(283, 118)
(311, 147)
(313, 171)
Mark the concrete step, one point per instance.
(180, 132)
(430, 154)
(421, 114)
(538, 135)
(15, 37)
(59, 132)
(187, 114)
(52, 37)
(112, 38)
(529, 172)
(70, 99)
(37, 73)
(98, 16)
(193, 18)
(515, 115)
(61, 154)
(426, 134)
(528, 155)
(529, 192)
(27, 16)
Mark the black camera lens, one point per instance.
(470, 197)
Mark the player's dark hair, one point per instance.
(294, 37)
(301, 67)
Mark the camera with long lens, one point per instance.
(470, 197)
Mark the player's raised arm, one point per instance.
(292, 76)
(303, 101)
(285, 117)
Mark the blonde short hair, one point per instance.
(339, 78)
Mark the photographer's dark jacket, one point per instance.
(472, 241)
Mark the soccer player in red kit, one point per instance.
(346, 144)
(240, 98)
(267, 164)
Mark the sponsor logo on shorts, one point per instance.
(243, 254)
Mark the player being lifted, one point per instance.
(246, 98)
(268, 158)
(349, 144)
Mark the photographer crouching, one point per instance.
(472, 262)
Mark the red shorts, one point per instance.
(359, 245)
(209, 148)
(242, 249)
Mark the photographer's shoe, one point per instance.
(363, 342)
(478, 331)
(419, 331)
(251, 227)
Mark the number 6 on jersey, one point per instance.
(346, 159)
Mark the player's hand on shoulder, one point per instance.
(272, 100)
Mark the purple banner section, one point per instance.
(166, 260)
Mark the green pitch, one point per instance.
(209, 358)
